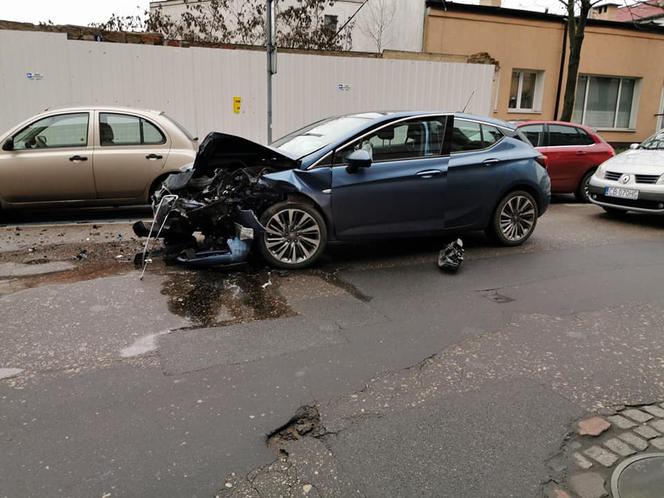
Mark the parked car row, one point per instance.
(355, 177)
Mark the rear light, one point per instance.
(541, 160)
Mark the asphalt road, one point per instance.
(425, 384)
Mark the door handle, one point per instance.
(153, 156)
(429, 173)
(580, 152)
(78, 158)
(493, 160)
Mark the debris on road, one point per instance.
(451, 257)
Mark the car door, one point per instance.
(567, 155)
(130, 152)
(51, 160)
(475, 174)
(403, 192)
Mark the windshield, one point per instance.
(311, 138)
(656, 142)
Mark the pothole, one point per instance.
(495, 296)
(305, 422)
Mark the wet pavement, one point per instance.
(423, 383)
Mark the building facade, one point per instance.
(620, 89)
(377, 25)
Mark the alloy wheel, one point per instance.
(517, 218)
(292, 236)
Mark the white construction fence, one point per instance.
(211, 89)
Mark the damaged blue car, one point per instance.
(357, 177)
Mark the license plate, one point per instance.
(623, 193)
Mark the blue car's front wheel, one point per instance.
(295, 235)
(515, 219)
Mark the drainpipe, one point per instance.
(563, 56)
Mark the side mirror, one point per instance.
(634, 146)
(358, 159)
(8, 145)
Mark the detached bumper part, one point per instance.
(236, 254)
(451, 257)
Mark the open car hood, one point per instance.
(220, 150)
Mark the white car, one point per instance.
(633, 180)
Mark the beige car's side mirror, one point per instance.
(634, 146)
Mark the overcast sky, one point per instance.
(83, 12)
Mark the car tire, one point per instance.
(582, 194)
(156, 185)
(295, 237)
(514, 219)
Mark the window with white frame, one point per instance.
(605, 101)
(526, 91)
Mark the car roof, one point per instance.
(519, 124)
(379, 116)
(97, 107)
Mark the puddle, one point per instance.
(210, 298)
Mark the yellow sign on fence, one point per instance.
(237, 105)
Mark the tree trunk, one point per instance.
(576, 31)
(572, 75)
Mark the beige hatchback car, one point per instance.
(90, 156)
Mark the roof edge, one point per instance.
(538, 16)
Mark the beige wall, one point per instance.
(537, 44)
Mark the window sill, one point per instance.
(523, 111)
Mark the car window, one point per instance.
(123, 129)
(404, 140)
(584, 137)
(656, 142)
(535, 134)
(490, 135)
(64, 130)
(560, 135)
(466, 135)
(151, 134)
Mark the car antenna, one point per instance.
(469, 100)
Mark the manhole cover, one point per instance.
(639, 477)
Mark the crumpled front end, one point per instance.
(207, 214)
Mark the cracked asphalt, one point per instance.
(424, 384)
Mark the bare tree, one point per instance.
(299, 25)
(577, 17)
(378, 20)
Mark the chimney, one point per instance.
(491, 3)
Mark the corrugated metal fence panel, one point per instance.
(197, 85)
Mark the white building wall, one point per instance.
(197, 85)
(405, 31)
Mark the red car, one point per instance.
(573, 153)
